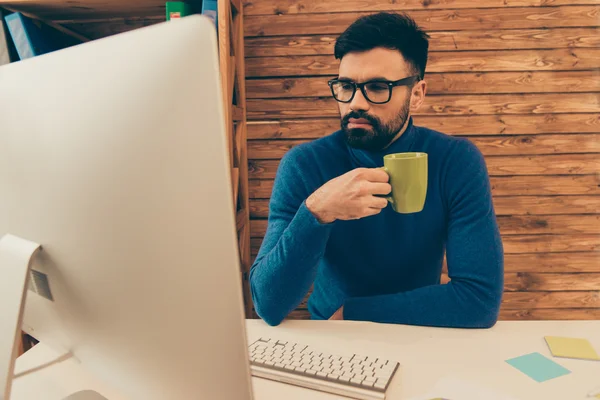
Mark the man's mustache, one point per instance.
(357, 115)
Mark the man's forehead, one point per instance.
(373, 64)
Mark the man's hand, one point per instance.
(350, 196)
(338, 315)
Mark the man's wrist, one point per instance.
(312, 205)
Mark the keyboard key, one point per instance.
(356, 380)
(379, 385)
(322, 374)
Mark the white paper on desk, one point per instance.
(458, 389)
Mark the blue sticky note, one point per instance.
(538, 367)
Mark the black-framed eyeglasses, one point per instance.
(375, 91)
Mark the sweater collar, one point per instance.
(374, 159)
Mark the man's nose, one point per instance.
(359, 102)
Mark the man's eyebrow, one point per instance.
(375, 78)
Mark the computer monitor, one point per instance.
(113, 157)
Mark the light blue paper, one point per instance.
(538, 367)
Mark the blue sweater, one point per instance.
(384, 268)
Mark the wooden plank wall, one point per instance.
(519, 78)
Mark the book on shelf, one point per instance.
(5, 43)
(33, 38)
(177, 10)
(210, 9)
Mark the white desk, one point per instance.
(425, 354)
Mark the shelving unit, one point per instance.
(94, 19)
(231, 55)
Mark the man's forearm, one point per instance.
(286, 267)
(456, 304)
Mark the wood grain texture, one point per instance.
(459, 61)
(545, 300)
(563, 164)
(496, 104)
(453, 125)
(520, 244)
(530, 185)
(544, 314)
(432, 20)
(546, 205)
(574, 262)
(279, 7)
(494, 39)
(488, 145)
(443, 83)
(508, 205)
(551, 282)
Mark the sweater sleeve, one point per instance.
(295, 242)
(474, 254)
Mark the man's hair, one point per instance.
(389, 30)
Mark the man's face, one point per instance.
(374, 126)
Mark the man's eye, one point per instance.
(377, 87)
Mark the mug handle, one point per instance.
(388, 197)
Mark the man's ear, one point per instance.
(419, 91)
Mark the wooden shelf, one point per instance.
(93, 19)
(231, 54)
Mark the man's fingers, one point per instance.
(374, 175)
(379, 188)
(378, 202)
(371, 211)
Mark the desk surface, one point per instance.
(425, 354)
(429, 354)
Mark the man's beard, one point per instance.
(380, 135)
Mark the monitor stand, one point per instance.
(16, 255)
(86, 395)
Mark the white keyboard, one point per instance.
(356, 376)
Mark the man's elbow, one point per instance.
(489, 311)
(270, 316)
(486, 321)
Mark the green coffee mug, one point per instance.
(408, 177)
